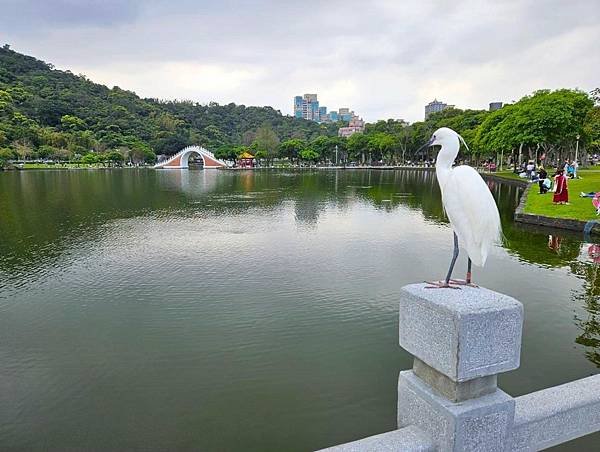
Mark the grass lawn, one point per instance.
(55, 166)
(579, 208)
(68, 166)
(507, 175)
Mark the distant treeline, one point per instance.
(48, 113)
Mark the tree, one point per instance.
(357, 145)
(46, 151)
(292, 148)
(229, 152)
(23, 148)
(5, 155)
(591, 128)
(266, 143)
(62, 154)
(57, 108)
(72, 123)
(90, 159)
(115, 157)
(323, 146)
(546, 122)
(382, 144)
(309, 154)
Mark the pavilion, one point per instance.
(246, 160)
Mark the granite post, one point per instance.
(460, 339)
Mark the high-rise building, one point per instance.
(307, 107)
(298, 106)
(345, 114)
(495, 106)
(323, 117)
(434, 107)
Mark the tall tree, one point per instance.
(266, 143)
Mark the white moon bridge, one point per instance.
(182, 158)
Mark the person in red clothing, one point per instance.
(561, 194)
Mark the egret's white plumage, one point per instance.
(472, 212)
(467, 200)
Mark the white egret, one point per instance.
(468, 203)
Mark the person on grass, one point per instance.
(561, 194)
(542, 177)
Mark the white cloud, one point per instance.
(177, 80)
(383, 58)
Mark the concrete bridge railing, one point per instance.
(461, 340)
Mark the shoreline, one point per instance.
(592, 226)
(531, 219)
(520, 216)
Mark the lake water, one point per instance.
(225, 311)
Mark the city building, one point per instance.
(495, 106)
(345, 114)
(435, 106)
(356, 125)
(307, 107)
(323, 117)
(298, 106)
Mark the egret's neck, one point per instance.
(445, 160)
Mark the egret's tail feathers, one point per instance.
(478, 255)
(480, 250)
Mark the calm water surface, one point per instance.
(221, 311)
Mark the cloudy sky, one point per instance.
(383, 58)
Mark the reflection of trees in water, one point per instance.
(589, 298)
(306, 212)
(43, 214)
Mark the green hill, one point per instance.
(45, 112)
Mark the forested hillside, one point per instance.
(45, 112)
(48, 113)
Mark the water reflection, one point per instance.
(587, 267)
(285, 280)
(47, 214)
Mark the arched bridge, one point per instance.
(181, 159)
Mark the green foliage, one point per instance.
(90, 159)
(309, 154)
(49, 113)
(229, 152)
(72, 123)
(5, 155)
(115, 157)
(47, 107)
(266, 143)
(591, 128)
(291, 149)
(357, 144)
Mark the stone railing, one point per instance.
(449, 401)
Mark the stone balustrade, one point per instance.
(461, 340)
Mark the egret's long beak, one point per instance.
(426, 145)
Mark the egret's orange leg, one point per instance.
(467, 280)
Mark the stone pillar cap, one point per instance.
(464, 334)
